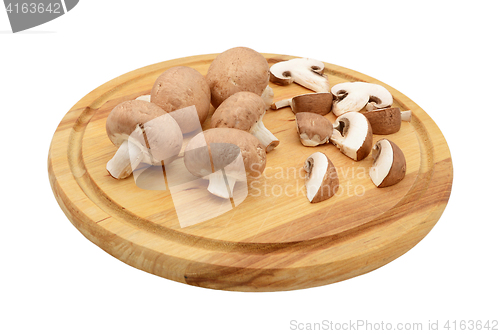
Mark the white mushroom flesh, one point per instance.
(315, 167)
(350, 138)
(354, 96)
(383, 160)
(303, 71)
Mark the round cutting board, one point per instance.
(272, 238)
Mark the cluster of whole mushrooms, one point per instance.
(151, 129)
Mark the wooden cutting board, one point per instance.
(274, 239)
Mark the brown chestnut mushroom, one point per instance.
(144, 133)
(389, 164)
(178, 89)
(245, 111)
(224, 156)
(235, 70)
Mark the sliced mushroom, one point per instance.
(224, 156)
(354, 96)
(235, 70)
(179, 88)
(144, 133)
(318, 103)
(386, 121)
(389, 164)
(313, 129)
(306, 72)
(321, 178)
(352, 134)
(245, 111)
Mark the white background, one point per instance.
(442, 55)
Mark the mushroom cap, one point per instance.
(181, 87)
(353, 135)
(235, 70)
(389, 164)
(313, 129)
(125, 117)
(163, 138)
(241, 110)
(321, 178)
(354, 96)
(214, 149)
(319, 103)
(384, 121)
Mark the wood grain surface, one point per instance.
(274, 239)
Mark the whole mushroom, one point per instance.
(235, 70)
(177, 90)
(224, 156)
(245, 111)
(144, 133)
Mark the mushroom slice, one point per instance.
(224, 156)
(321, 178)
(313, 129)
(245, 111)
(306, 72)
(352, 134)
(389, 164)
(354, 96)
(318, 103)
(386, 121)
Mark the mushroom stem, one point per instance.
(406, 115)
(312, 80)
(126, 159)
(220, 184)
(268, 96)
(265, 136)
(281, 104)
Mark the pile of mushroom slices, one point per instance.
(151, 129)
(362, 109)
